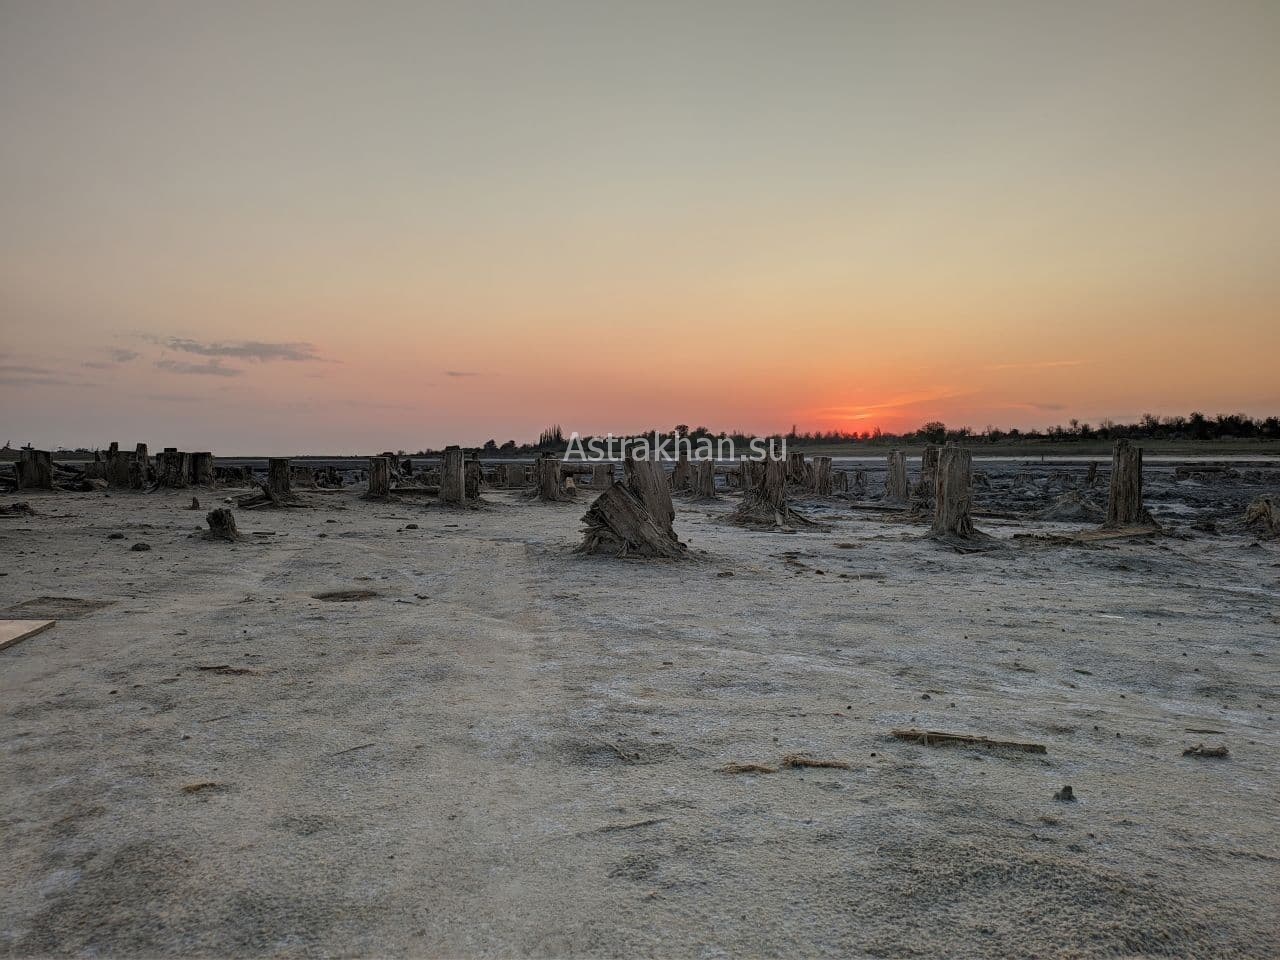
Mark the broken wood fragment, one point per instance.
(937, 738)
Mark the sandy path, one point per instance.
(513, 750)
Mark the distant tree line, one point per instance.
(1194, 427)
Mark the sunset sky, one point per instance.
(292, 227)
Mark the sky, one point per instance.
(296, 227)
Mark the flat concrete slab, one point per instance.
(15, 631)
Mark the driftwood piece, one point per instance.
(379, 478)
(937, 738)
(222, 525)
(34, 469)
(453, 481)
(634, 518)
(895, 483)
(1124, 501)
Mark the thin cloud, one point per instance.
(23, 369)
(118, 356)
(901, 402)
(461, 373)
(1035, 365)
(257, 350)
(214, 368)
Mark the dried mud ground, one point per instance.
(513, 750)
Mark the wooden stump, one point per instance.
(279, 478)
(601, 476)
(634, 517)
(823, 483)
(453, 479)
(1091, 477)
(953, 494)
(925, 489)
(765, 503)
(682, 475)
(202, 469)
(859, 483)
(140, 474)
(547, 480)
(895, 484)
(703, 482)
(472, 479)
(173, 469)
(222, 525)
(751, 473)
(1124, 502)
(379, 478)
(117, 469)
(798, 471)
(34, 469)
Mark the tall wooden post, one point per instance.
(895, 484)
(548, 478)
(823, 485)
(928, 472)
(1124, 502)
(953, 494)
(472, 479)
(682, 474)
(703, 483)
(453, 481)
(379, 478)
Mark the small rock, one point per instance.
(140, 547)
(115, 536)
(1065, 795)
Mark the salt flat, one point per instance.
(512, 749)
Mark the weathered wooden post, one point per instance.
(379, 478)
(928, 472)
(453, 481)
(681, 474)
(895, 484)
(797, 469)
(472, 479)
(547, 478)
(279, 478)
(859, 483)
(601, 475)
(823, 484)
(750, 474)
(173, 468)
(34, 469)
(202, 469)
(703, 483)
(1124, 502)
(140, 473)
(953, 494)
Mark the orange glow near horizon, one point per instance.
(330, 234)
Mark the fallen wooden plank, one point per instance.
(936, 738)
(15, 631)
